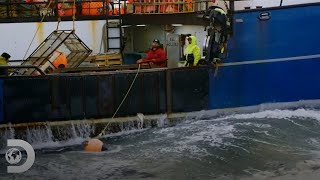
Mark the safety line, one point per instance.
(104, 129)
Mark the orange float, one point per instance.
(189, 6)
(92, 8)
(149, 8)
(93, 145)
(138, 9)
(172, 8)
(66, 9)
(119, 9)
(60, 61)
(162, 8)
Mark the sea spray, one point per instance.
(162, 120)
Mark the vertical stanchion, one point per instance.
(8, 7)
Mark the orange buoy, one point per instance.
(162, 8)
(138, 9)
(188, 5)
(172, 7)
(93, 8)
(149, 8)
(93, 145)
(66, 9)
(119, 9)
(61, 61)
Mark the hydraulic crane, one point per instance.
(218, 33)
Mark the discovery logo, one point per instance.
(14, 156)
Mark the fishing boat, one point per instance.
(271, 58)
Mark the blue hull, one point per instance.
(290, 33)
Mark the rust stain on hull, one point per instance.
(93, 28)
(40, 34)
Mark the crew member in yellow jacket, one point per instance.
(192, 51)
(4, 58)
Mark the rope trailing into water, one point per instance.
(59, 20)
(124, 98)
(36, 32)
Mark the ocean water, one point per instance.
(271, 144)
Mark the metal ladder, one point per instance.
(114, 31)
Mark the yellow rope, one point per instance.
(103, 131)
(59, 20)
(36, 32)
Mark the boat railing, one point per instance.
(23, 67)
(169, 6)
(67, 8)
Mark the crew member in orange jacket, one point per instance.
(155, 55)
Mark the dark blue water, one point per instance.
(277, 144)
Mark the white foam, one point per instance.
(190, 137)
(41, 138)
(262, 142)
(125, 132)
(182, 149)
(212, 134)
(309, 104)
(308, 169)
(274, 114)
(244, 149)
(162, 120)
(263, 126)
(264, 132)
(55, 144)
